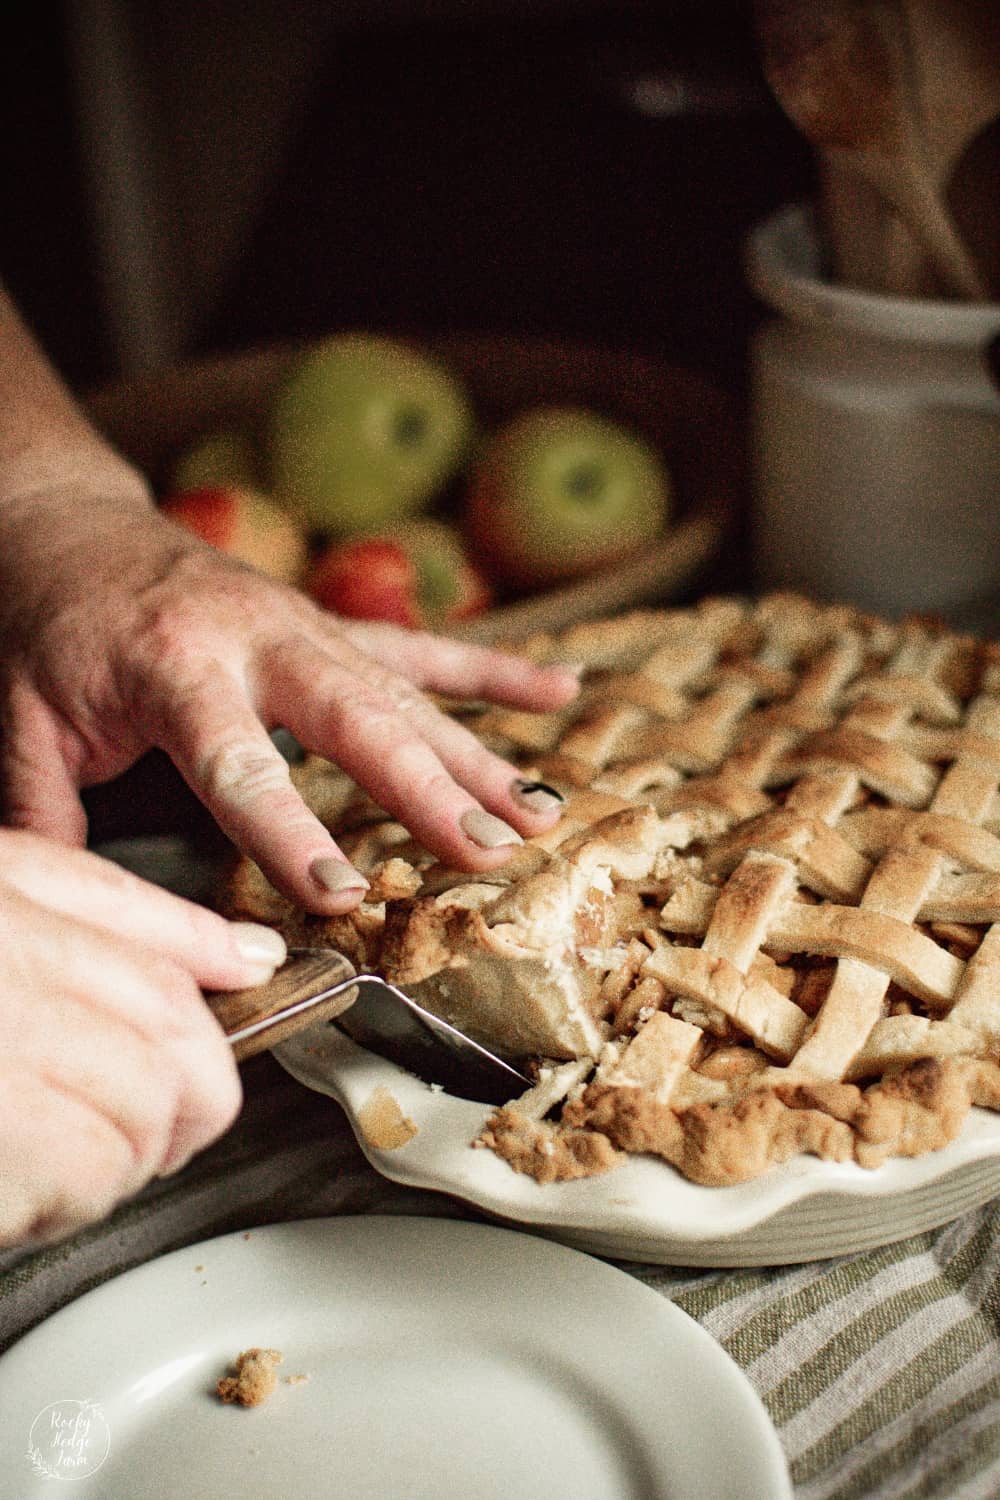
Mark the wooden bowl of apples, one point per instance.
(484, 485)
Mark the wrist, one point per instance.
(68, 469)
(67, 510)
(48, 447)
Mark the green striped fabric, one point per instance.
(881, 1371)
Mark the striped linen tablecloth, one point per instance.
(881, 1371)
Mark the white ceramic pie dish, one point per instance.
(645, 1210)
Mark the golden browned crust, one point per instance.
(768, 922)
(548, 1155)
(715, 1144)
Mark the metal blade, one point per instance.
(385, 1020)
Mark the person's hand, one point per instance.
(112, 1067)
(122, 633)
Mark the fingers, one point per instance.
(430, 772)
(463, 670)
(80, 885)
(373, 724)
(48, 1190)
(37, 788)
(113, 1070)
(218, 743)
(456, 797)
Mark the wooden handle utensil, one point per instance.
(319, 984)
(314, 985)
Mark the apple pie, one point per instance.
(768, 921)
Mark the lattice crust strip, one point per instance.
(768, 922)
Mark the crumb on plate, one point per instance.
(254, 1378)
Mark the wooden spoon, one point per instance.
(956, 50)
(868, 246)
(842, 71)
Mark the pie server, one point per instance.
(320, 984)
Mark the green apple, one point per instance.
(560, 491)
(225, 456)
(365, 431)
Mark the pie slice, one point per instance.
(768, 921)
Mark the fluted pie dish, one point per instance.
(754, 971)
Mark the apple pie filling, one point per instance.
(768, 921)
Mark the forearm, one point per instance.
(49, 452)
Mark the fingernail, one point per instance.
(337, 875)
(536, 796)
(486, 830)
(259, 944)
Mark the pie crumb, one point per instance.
(254, 1378)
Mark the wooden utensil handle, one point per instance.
(293, 999)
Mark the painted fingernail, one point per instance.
(536, 796)
(486, 830)
(259, 944)
(337, 875)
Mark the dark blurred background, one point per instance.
(189, 177)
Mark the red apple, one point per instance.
(245, 524)
(370, 578)
(417, 575)
(561, 491)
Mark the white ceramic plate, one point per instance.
(645, 1210)
(444, 1360)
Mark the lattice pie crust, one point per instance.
(765, 923)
